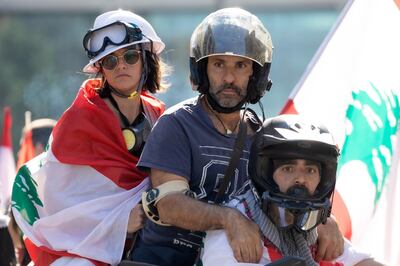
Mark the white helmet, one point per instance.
(117, 29)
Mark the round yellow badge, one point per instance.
(130, 138)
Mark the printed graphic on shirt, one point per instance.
(213, 172)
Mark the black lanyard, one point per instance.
(125, 120)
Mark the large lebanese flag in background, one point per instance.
(353, 86)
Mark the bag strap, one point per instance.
(234, 160)
(255, 124)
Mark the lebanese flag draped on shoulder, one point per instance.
(353, 85)
(74, 200)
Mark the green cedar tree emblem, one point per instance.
(373, 118)
(25, 196)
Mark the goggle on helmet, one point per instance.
(117, 33)
(293, 137)
(117, 29)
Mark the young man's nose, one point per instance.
(300, 179)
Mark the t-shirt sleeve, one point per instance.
(167, 148)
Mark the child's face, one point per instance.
(297, 172)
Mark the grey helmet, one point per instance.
(232, 31)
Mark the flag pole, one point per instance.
(28, 120)
(321, 48)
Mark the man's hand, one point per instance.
(244, 237)
(182, 211)
(330, 241)
(136, 219)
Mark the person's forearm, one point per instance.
(191, 214)
(243, 234)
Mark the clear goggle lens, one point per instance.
(117, 33)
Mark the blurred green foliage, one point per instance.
(40, 57)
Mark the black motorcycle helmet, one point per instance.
(232, 31)
(293, 137)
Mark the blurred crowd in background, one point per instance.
(42, 54)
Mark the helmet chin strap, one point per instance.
(226, 110)
(143, 78)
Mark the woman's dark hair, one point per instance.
(156, 70)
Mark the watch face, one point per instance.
(130, 138)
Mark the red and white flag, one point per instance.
(73, 201)
(7, 166)
(353, 86)
(27, 150)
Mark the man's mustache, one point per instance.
(299, 191)
(229, 86)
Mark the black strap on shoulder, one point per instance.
(121, 115)
(252, 118)
(234, 160)
(255, 124)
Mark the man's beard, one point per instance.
(227, 102)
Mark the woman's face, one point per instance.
(122, 69)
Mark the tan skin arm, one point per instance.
(137, 218)
(14, 233)
(185, 212)
(243, 235)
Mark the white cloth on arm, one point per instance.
(217, 250)
(72, 261)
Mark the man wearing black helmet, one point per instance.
(293, 170)
(189, 149)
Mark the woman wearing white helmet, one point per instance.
(88, 183)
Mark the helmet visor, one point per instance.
(286, 218)
(117, 33)
(303, 215)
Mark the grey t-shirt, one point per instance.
(185, 142)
